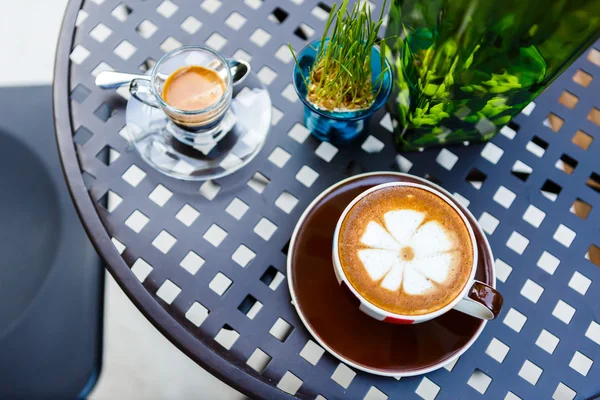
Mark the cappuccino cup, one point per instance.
(409, 254)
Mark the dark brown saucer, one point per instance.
(332, 315)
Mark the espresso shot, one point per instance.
(193, 88)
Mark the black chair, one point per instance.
(51, 280)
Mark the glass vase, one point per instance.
(339, 127)
(465, 68)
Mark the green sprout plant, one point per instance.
(340, 78)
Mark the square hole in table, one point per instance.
(530, 372)
(375, 394)
(582, 78)
(103, 66)
(593, 254)
(594, 116)
(497, 350)
(286, 202)
(290, 383)
(79, 54)
(568, 99)
(402, 163)
(281, 330)
(121, 12)
(211, 6)
(237, 208)
(503, 270)
(254, 4)
(120, 247)
(312, 352)
(227, 337)
(279, 157)
(479, 381)
(504, 197)
(272, 278)
(107, 155)
(266, 75)
(580, 283)
(450, 365)
(550, 190)
(446, 159)
(563, 312)
(531, 291)
(141, 269)
(521, 170)
(258, 182)
(192, 262)
(146, 29)
(581, 363)
(215, 235)
(243, 255)
(304, 31)
(343, 375)
(147, 65)
(476, 178)
(125, 50)
(289, 93)
(299, 133)
(216, 41)
(307, 176)
(167, 8)
(169, 44)
(564, 235)
(593, 332)
(235, 21)
(554, 122)
(250, 306)
(547, 341)
(209, 189)
(278, 15)
(582, 139)
(593, 182)
(372, 145)
(488, 222)
(190, 25)
(492, 153)
(80, 93)
(160, 195)
(321, 11)
(563, 392)
(259, 360)
(168, 291)
(187, 215)
(284, 54)
(517, 242)
(81, 17)
(81, 136)
(220, 284)
(581, 208)
(548, 262)
(110, 201)
(566, 163)
(326, 151)
(100, 32)
(427, 389)
(537, 146)
(265, 228)
(515, 320)
(164, 241)
(242, 55)
(260, 37)
(197, 314)
(511, 396)
(137, 221)
(104, 112)
(534, 216)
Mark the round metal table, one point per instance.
(205, 262)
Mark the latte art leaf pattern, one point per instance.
(407, 254)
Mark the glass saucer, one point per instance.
(190, 156)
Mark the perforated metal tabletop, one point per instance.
(205, 262)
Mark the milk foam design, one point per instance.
(407, 253)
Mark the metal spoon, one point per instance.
(112, 80)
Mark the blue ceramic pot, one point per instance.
(332, 126)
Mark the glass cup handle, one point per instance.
(481, 301)
(141, 89)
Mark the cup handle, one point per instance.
(481, 301)
(141, 89)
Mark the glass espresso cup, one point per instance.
(150, 91)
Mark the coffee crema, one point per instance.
(405, 250)
(193, 88)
